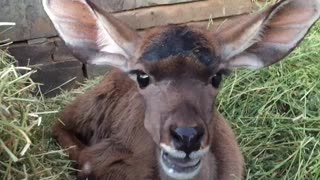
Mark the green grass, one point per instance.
(274, 112)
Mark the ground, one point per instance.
(274, 112)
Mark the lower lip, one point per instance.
(178, 170)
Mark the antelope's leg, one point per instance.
(68, 140)
(102, 159)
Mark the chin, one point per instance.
(177, 165)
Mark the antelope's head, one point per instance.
(178, 69)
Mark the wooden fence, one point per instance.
(37, 44)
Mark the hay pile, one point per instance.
(26, 148)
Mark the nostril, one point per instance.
(187, 139)
(176, 137)
(198, 137)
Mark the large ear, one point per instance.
(93, 38)
(267, 37)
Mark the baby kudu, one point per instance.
(154, 117)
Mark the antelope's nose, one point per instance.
(187, 139)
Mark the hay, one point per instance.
(26, 149)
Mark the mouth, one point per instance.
(179, 166)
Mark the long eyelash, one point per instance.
(135, 71)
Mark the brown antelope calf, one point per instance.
(154, 117)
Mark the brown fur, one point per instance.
(109, 119)
(120, 129)
(114, 130)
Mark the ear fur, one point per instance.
(93, 38)
(267, 37)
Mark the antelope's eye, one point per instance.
(143, 79)
(216, 80)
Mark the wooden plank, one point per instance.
(27, 54)
(57, 76)
(182, 13)
(33, 23)
(215, 24)
(120, 5)
(31, 20)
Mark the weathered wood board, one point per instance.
(30, 18)
(182, 13)
(120, 5)
(57, 76)
(33, 23)
(36, 43)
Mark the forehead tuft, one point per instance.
(180, 41)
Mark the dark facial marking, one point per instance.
(179, 41)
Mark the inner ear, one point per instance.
(94, 36)
(265, 38)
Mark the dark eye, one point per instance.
(143, 79)
(216, 80)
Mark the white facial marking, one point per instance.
(179, 175)
(186, 170)
(199, 154)
(173, 152)
(87, 168)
